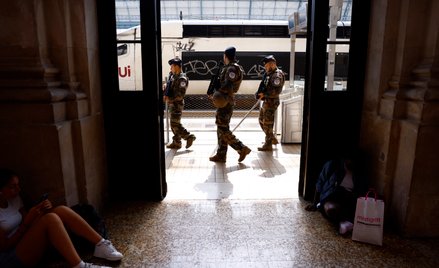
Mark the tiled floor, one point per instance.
(262, 175)
(243, 215)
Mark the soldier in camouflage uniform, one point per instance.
(224, 100)
(174, 92)
(271, 86)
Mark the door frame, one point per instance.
(133, 120)
(331, 120)
(136, 165)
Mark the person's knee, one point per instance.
(329, 206)
(332, 210)
(50, 219)
(60, 209)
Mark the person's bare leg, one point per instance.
(75, 223)
(49, 230)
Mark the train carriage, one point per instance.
(201, 43)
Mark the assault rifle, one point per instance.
(214, 80)
(261, 88)
(168, 85)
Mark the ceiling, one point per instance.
(128, 12)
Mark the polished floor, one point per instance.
(243, 215)
(262, 175)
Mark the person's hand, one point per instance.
(33, 214)
(38, 210)
(45, 206)
(311, 207)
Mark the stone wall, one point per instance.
(51, 125)
(401, 112)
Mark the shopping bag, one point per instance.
(369, 220)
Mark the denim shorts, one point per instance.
(9, 259)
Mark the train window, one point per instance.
(277, 31)
(122, 49)
(216, 31)
(253, 30)
(195, 31)
(233, 30)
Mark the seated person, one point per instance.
(26, 235)
(339, 185)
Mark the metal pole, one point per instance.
(167, 122)
(251, 109)
(292, 59)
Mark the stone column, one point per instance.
(50, 131)
(407, 107)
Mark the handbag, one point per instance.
(369, 219)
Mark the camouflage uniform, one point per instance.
(273, 82)
(175, 94)
(230, 79)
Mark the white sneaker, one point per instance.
(90, 265)
(106, 250)
(345, 227)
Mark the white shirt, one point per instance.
(10, 217)
(347, 181)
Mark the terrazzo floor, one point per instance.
(243, 215)
(242, 233)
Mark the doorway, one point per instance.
(190, 174)
(126, 111)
